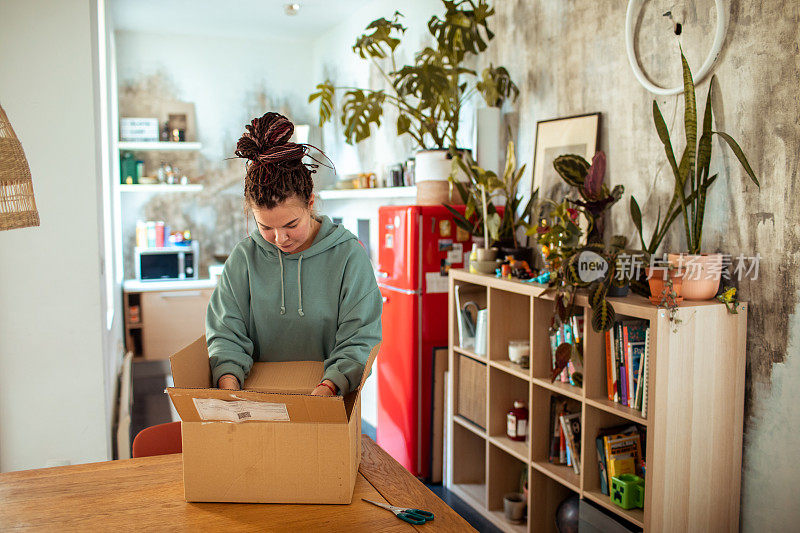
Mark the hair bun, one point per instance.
(266, 140)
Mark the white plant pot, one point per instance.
(489, 134)
(431, 170)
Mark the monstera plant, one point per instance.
(427, 95)
(596, 198)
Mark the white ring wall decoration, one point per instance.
(632, 14)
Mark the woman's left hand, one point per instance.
(322, 390)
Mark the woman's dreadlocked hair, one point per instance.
(275, 170)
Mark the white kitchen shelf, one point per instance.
(159, 146)
(135, 285)
(161, 187)
(357, 194)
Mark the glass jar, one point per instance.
(518, 349)
(517, 422)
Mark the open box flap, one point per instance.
(205, 405)
(190, 368)
(368, 365)
(350, 399)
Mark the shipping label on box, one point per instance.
(241, 411)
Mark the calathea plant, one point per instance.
(595, 197)
(427, 95)
(603, 314)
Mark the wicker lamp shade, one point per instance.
(17, 206)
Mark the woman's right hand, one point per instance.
(228, 382)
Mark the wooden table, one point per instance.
(146, 494)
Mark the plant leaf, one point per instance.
(572, 168)
(380, 43)
(593, 183)
(325, 95)
(360, 110)
(739, 155)
(403, 124)
(603, 314)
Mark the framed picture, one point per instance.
(561, 136)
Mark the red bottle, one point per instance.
(517, 422)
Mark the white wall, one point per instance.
(52, 386)
(223, 77)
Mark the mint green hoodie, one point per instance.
(321, 304)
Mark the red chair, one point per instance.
(161, 439)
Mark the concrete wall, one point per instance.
(54, 391)
(568, 57)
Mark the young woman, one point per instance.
(298, 287)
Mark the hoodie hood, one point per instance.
(328, 236)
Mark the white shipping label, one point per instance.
(240, 411)
(435, 282)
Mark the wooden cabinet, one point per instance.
(161, 322)
(693, 425)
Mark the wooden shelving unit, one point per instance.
(693, 425)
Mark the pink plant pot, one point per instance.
(702, 274)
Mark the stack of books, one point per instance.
(627, 355)
(572, 332)
(565, 435)
(620, 451)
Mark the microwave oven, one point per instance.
(167, 264)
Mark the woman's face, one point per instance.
(288, 225)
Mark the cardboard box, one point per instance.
(271, 442)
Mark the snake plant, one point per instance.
(692, 179)
(427, 95)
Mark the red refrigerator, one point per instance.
(417, 246)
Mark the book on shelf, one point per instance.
(571, 427)
(619, 451)
(627, 351)
(645, 373)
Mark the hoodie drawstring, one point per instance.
(283, 292)
(299, 287)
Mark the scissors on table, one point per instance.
(412, 516)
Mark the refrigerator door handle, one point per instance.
(402, 291)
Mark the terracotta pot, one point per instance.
(701, 274)
(657, 278)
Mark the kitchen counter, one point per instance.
(134, 285)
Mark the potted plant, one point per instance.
(428, 95)
(596, 198)
(559, 237)
(502, 225)
(692, 182)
